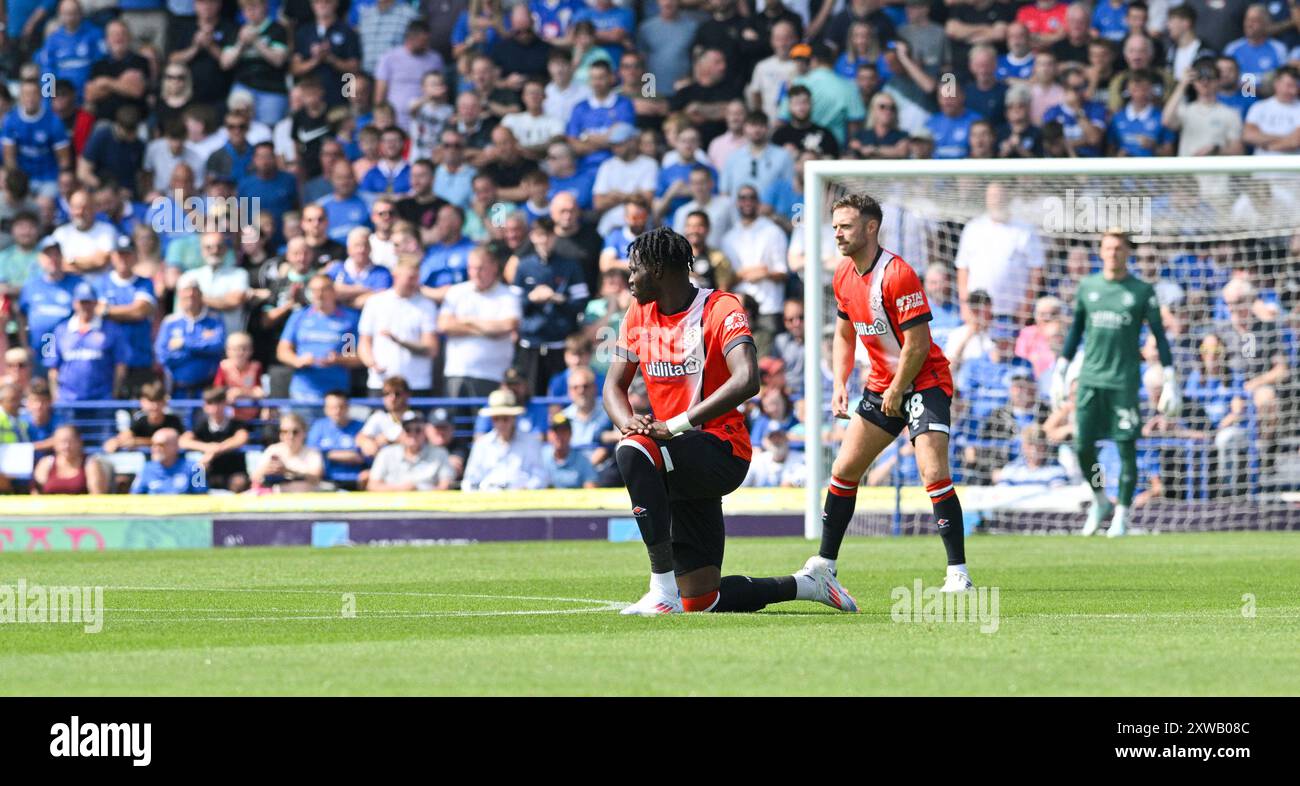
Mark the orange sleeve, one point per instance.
(728, 322)
(629, 336)
(905, 296)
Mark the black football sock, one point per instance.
(741, 593)
(841, 496)
(947, 514)
(649, 494)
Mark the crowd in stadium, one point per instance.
(444, 193)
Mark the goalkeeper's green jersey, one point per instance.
(1108, 317)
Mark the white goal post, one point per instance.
(824, 180)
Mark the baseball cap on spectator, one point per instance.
(921, 134)
(1003, 328)
(240, 99)
(1020, 374)
(800, 52)
(1205, 68)
(125, 244)
(439, 417)
(84, 291)
(49, 243)
(822, 52)
(560, 420)
(621, 132)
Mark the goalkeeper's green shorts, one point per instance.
(1101, 413)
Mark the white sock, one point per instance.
(805, 588)
(1121, 514)
(958, 569)
(665, 583)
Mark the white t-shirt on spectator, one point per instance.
(532, 131)
(426, 470)
(220, 281)
(762, 243)
(74, 243)
(997, 258)
(480, 357)
(159, 160)
(408, 319)
(559, 103)
(722, 217)
(1274, 117)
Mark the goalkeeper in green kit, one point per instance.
(1109, 310)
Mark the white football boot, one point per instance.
(1119, 524)
(654, 603)
(1096, 515)
(957, 581)
(829, 589)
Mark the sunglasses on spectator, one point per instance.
(453, 144)
(747, 197)
(290, 431)
(174, 76)
(890, 107)
(413, 428)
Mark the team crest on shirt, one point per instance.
(691, 338)
(1093, 297)
(876, 302)
(1128, 299)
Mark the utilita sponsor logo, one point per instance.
(96, 740)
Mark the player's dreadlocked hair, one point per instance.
(662, 249)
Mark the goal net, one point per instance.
(1001, 247)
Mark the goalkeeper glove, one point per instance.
(1060, 390)
(1171, 403)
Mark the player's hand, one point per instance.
(659, 432)
(1170, 403)
(891, 402)
(840, 402)
(1060, 390)
(638, 424)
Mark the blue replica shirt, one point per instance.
(445, 264)
(590, 117)
(1213, 395)
(191, 349)
(1238, 101)
(21, 10)
(345, 215)
(46, 303)
(574, 472)
(133, 214)
(344, 43)
(579, 184)
(617, 240)
(137, 351)
(946, 319)
(1095, 111)
(1108, 20)
(550, 323)
(951, 134)
(313, 332)
(85, 361)
(397, 181)
(553, 19)
(277, 196)
(607, 21)
(1128, 130)
(989, 104)
(70, 55)
(782, 197)
(1011, 68)
(325, 435)
(36, 139)
(180, 478)
(985, 383)
(679, 171)
(1256, 59)
(376, 277)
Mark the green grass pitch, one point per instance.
(1144, 615)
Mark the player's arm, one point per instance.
(916, 347)
(622, 370)
(1060, 391)
(1170, 402)
(742, 384)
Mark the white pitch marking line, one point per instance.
(604, 605)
